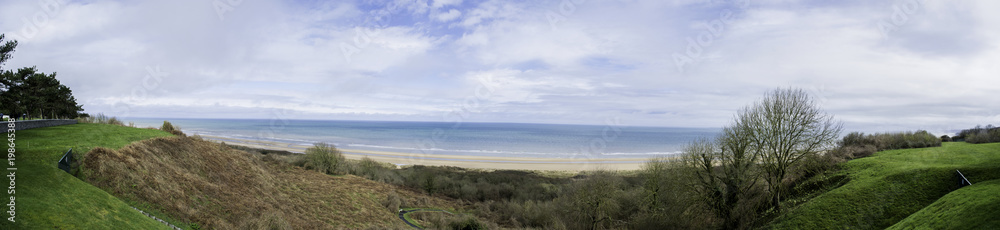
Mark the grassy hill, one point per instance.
(48, 197)
(971, 207)
(890, 186)
(220, 187)
(189, 182)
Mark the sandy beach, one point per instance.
(481, 162)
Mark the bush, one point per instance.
(100, 119)
(965, 134)
(812, 164)
(373, 170)
(857, 143)
(855, 151)
(857, 139)
(393, 202)
(984, 136)
(170, 128)
(324, 158)
(592, 203)
(467, 223)
(666, 196)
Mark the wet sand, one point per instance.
(483, 162)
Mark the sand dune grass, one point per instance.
(218, 187)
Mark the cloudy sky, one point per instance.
(876, 65)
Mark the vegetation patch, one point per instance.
(892, 185)
(218, 187)
(971, 207)
(51, 198)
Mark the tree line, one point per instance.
(29, 93)
(977, 135)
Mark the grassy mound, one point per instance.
(48, 197)
(892, 185)
(971, 207)
(219, 187)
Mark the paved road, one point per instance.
(414, 225)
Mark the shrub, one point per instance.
(813, 164)
(467, 223)
(984, 136)
(393, 202)
(100, 119)
(855, 151)
(857, 138)
(665, 196)
(373, 170)
(856, 143)
(170, 128)
(115, 121)
(324, 158)
(592, 202)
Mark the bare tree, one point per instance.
(784, 126)
(725, 171)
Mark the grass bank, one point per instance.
(971, 207)
(890, 186)
(47, 197)
(219, 187)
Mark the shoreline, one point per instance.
(479, 162)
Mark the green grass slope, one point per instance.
(49, 198)
(971, 207)
(892, 185)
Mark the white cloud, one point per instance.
(601, 59)
(443, 3)
(450, 15)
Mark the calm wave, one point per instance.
(481, 139)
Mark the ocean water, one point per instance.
(479, 139)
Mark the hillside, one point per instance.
(48, 197)
(189, 182)
(971, 207)
(218, 187)
(890, 186)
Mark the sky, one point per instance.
(875, 65)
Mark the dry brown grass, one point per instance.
(219, 187)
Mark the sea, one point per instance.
(453, 138)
